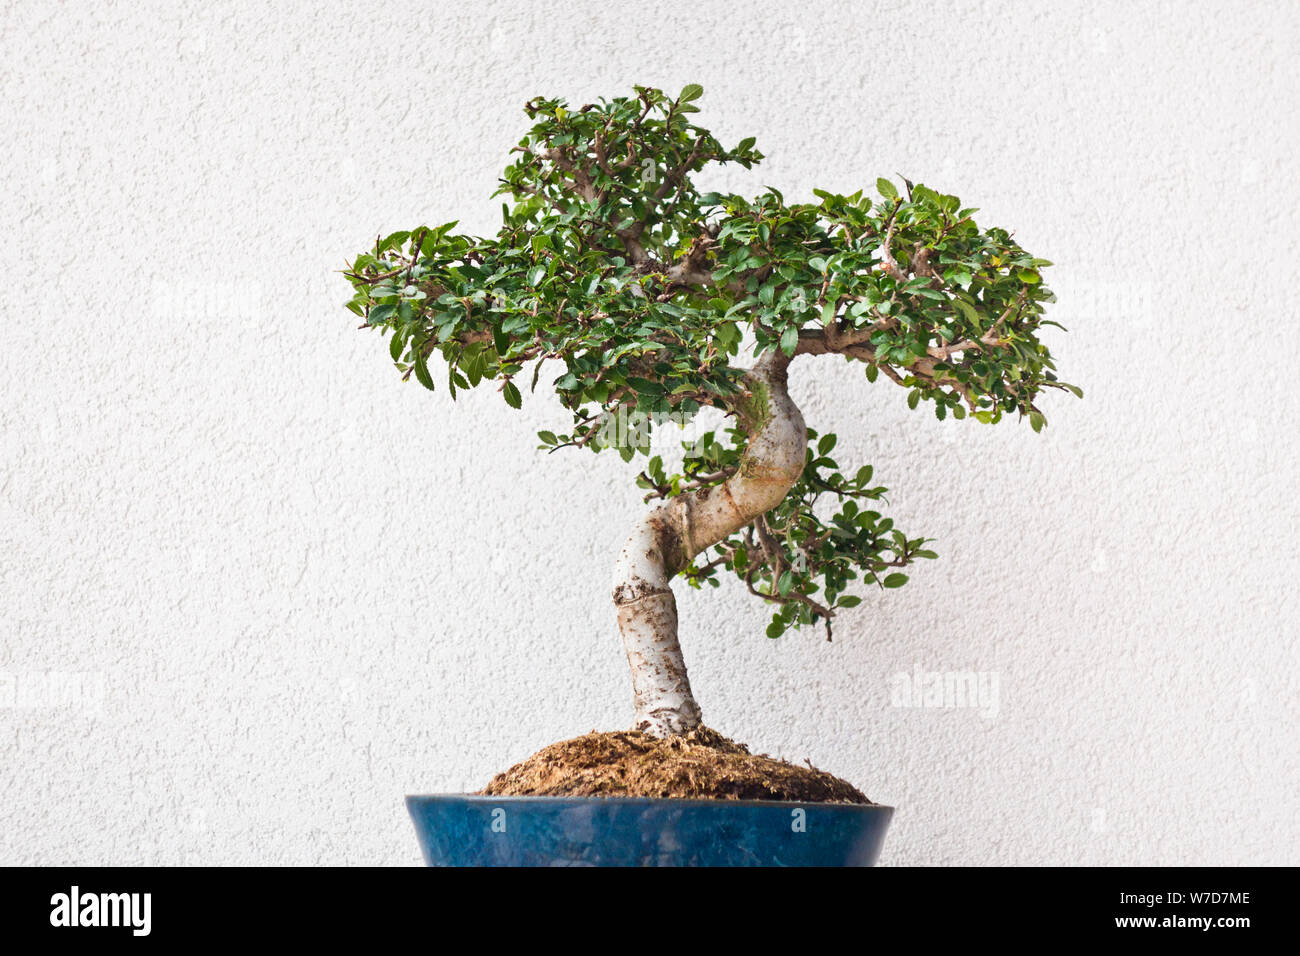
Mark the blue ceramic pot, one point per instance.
(461, 830)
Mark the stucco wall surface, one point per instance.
(253, 589)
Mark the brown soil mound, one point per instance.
(701, 764)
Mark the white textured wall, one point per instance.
(281, 589)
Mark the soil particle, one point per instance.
(701, 764)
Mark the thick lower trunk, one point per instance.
(671, 534)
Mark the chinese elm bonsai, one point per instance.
(652, 296)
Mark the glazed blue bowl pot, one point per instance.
(465, 830)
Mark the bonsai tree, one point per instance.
(656, 300)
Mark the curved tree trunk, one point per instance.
(671, 534)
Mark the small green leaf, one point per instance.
(895, 580)
(512, 396)
(381, 314)
(966, 309)
(886, 188)
(422, 373)
(691, 91)
(789, 339)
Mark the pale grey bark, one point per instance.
(668, 536)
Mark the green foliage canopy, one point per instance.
(611, 262)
